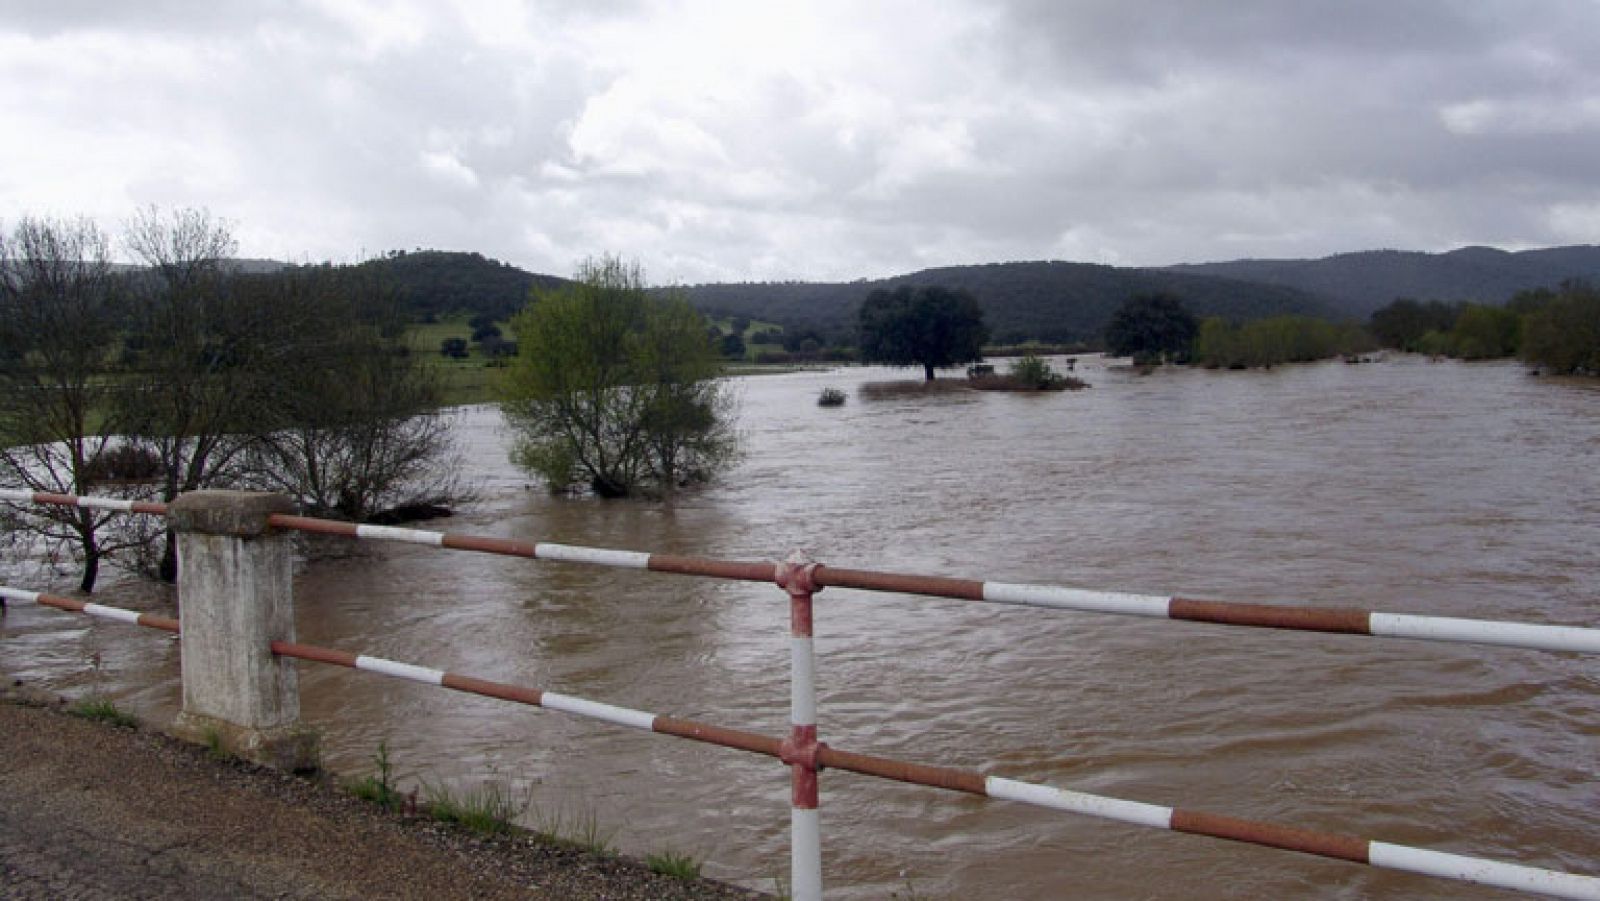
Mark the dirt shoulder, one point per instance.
(91, 811)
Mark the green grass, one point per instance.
(580, 829)
(378, 786)
(103, 710)
(490, 809)
(468, 380)
(671, 863)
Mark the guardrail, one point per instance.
(232, 527)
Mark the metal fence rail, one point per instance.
(1307, 841)
(806, 755)
(1343, 620)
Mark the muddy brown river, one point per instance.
(1406, 486)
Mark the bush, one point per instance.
(831, 397)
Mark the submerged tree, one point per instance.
(1563, 333)
(58, 334)
(616, 389)
(1152, 328)
(356, 430)
(932, 327)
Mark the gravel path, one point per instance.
(92, 811)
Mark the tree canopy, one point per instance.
(931, 326)
(616, 388)
(1152, 328)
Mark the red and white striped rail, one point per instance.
(1322, 844)
(1345, 620)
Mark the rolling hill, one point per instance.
(1047, 301)
(1355, 284)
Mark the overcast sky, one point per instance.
(819, 140)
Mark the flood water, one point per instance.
(1405, 486)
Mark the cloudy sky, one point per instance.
(718, 141)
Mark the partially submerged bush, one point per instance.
(1027, 373)
(831, 397)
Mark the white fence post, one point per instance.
(235, 597)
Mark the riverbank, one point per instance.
(97, 811)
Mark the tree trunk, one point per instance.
(927, 369)
(169, 558)
(91, 570)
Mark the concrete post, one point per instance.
(235, 597)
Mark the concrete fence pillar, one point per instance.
(235, 597)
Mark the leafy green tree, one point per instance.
(1152, 328)
(1564, 333)
(932, 327)
(1403, 323)
(1485, 333)
(1279, 339)
(615, 388)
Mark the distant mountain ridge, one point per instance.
(1048, 301)
(1355, 284)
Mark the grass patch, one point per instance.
(580, 829)
(490, 809)
(104, 710)
(378, 786)
(671, 863)
(214, 746)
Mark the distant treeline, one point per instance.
(1280, 339)
(1555, 329)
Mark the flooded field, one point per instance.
(1451, 489)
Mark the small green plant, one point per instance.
(378, 786)
(105, 710)
(489, 809)
(671, 863)
(831, 397)
(580, 830)
(214, 747)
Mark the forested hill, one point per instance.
(1358, 283)
(1047, 301)
(433, 283)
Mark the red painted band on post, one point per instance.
(900, 771)
(801, 751)
(504, 547)
(1348, 620)
(868, 580)
(1287, 838)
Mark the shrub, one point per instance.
(831, 397)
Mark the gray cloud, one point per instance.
(721, 141)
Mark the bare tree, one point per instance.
(58, 332)
(360, 434)
(201, 357)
